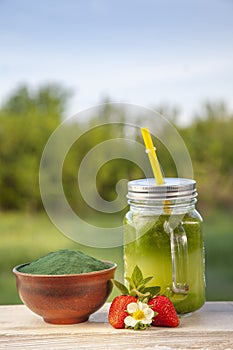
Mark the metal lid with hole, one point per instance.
(173, 188)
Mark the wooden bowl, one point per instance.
(65, 299)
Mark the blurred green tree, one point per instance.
(26, 121)
(209, 140)
(28, 118)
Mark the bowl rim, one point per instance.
(92, 273)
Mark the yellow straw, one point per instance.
(150, 149)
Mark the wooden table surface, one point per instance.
(209, 328)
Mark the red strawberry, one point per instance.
(117, 312)
(167, 315)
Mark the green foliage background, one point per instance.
(27, 119)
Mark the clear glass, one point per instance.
(175, 257)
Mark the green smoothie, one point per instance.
(148, 245)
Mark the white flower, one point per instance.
(139, 314)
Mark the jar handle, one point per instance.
(179, 255)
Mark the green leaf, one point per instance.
(152, 290)
(122, 288)
(137, 276)
(147, 280)
(136, 286)
(140, 326)
(131, 284)
(141, 288)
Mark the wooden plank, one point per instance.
(209, 328)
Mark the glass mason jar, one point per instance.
(163, 236)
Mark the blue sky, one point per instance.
(145, 52)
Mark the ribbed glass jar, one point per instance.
(163, 236)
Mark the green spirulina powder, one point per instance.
(63, 262)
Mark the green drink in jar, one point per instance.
(163, 236)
